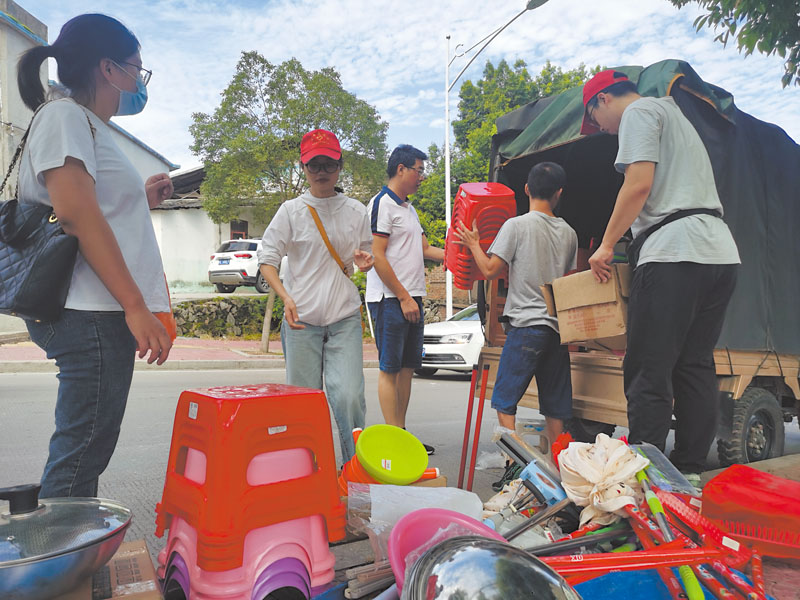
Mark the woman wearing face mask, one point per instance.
(71, 162)
(321, 331)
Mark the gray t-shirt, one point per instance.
(538, 249)
(655, 130)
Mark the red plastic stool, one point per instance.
(491, 205)
(230, 426)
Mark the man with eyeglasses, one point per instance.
(685, 265)
(396, 285)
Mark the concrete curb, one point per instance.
(46, 366)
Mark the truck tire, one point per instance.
(586, 430)
(757, 432)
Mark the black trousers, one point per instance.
(675, 316)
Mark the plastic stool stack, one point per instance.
(250, 496)
(491, 205)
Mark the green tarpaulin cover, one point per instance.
(757, 172)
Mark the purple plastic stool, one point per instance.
(176, 572)
(286, 572)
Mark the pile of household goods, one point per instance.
(252, 500)
(611, 519)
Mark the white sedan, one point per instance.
(454, 344)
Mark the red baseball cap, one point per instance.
(594, 86)
(319, 142)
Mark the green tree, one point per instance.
(769, 27)
(501, 89)
(250, 145)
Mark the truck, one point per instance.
(757, 174)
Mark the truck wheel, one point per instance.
(757, 432)
(586, 430)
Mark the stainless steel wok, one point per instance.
(47, 547)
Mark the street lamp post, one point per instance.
(448, 85)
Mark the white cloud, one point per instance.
(393, 56)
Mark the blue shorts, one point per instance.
(399, 341)
(530, 351)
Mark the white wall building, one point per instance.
(188, 237)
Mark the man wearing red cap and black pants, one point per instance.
(685, 264)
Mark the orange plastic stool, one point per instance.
(231, 426)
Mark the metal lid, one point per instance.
(35, 529)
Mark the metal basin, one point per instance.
(475, 567)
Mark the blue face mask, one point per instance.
(131, 103)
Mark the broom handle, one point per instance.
(690, 583)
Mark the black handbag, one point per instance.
(36, 256)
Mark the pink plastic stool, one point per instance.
(294, 553)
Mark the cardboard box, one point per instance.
(129, 575)
(589, 313)
(440, 481)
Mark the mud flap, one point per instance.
(725, 421)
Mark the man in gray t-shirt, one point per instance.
(537, 248)
(685, 272)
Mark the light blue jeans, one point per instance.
(335, 354)
(94, 353)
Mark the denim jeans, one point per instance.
(94, 353)
(333, 353)
(399, 341)
(529, 351)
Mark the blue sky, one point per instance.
(393, 54)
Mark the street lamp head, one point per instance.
(534, 4)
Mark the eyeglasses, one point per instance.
(420, 171)
(145, 74)
(327, 166)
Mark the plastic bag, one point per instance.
(490, 460)
(374, 509)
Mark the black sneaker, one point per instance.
(429, 449)
(512, 472)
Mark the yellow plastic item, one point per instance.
(391, 454)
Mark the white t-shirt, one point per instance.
(61, 130)
(655, 130)
(391, 217)
(315, 282)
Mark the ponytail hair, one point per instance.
(82, 43)
(28, 75)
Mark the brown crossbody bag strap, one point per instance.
(325, 239)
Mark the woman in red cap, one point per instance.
(322, 233)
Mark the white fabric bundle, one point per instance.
(601, 477)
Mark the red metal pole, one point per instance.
(467, 426)
(478, 418)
